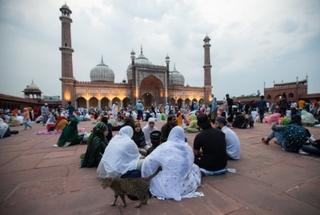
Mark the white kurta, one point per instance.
(120, 156)
(179, 177)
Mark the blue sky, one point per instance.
(253, 41)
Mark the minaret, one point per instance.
(167, 79)
(67, 78)
(207, 70)
(134, 93)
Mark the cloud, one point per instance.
(251, 40)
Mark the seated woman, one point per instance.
(4, 129)
(51, 123)
(290, 137)
(138, 138)
(179, 176)
(61, 123)
(69, 135)
(109, 134)
(96, 145)
(120, 156)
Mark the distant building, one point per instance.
(293, 90)
(153, 84)
(32, 91)
(32, 98)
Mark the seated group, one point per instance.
(136, 152)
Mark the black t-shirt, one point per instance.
(213, 145)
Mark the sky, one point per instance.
(252, 41)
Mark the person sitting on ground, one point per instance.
(209, 146)
(147, 129)
(138, 138)
(120, 156)
(128, 120)
(166, 128)
(69, 135)
(232, 140)
(97, 143)
(61, 123)
(51, 122)
(105, 120)
(290, 137)
(5, 130)
(179, 118)
(241, 121)
(155, 137)
(193, 125)
(179, 177)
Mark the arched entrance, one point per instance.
(151, 91)
(105, 103)
(147, 99)
(116, 100)
(93, 102)
(187, 102)
(81, 102)
(126, 101)
(180, 101)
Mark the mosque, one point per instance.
(152, 84)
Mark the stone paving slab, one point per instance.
(37, 178)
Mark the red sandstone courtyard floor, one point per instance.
(37, 178)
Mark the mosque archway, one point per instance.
(194, 100)
(81, 102)
(201, 101)
(93, 102)
(116, 100)
(180, 102)
(187, 102)
(153, 86)
(105, 103)
(147, 100)
(126, 101)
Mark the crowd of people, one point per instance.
(137, 151)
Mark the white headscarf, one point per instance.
(120, 156)
(3, 127)
(147, 130)
(179, 177)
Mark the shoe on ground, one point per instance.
(301, 152)
(55, 145)
(67, 144)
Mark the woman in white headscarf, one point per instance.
(120, 156)
(4, 129)
(179, 177)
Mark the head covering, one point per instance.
(155, 136)
(177, 135)
(151, 119)
(3, 127)
(120, 156)
(126, 131)
(176, 158)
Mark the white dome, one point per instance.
(102, 72)
(175, 77)
(142, 59)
